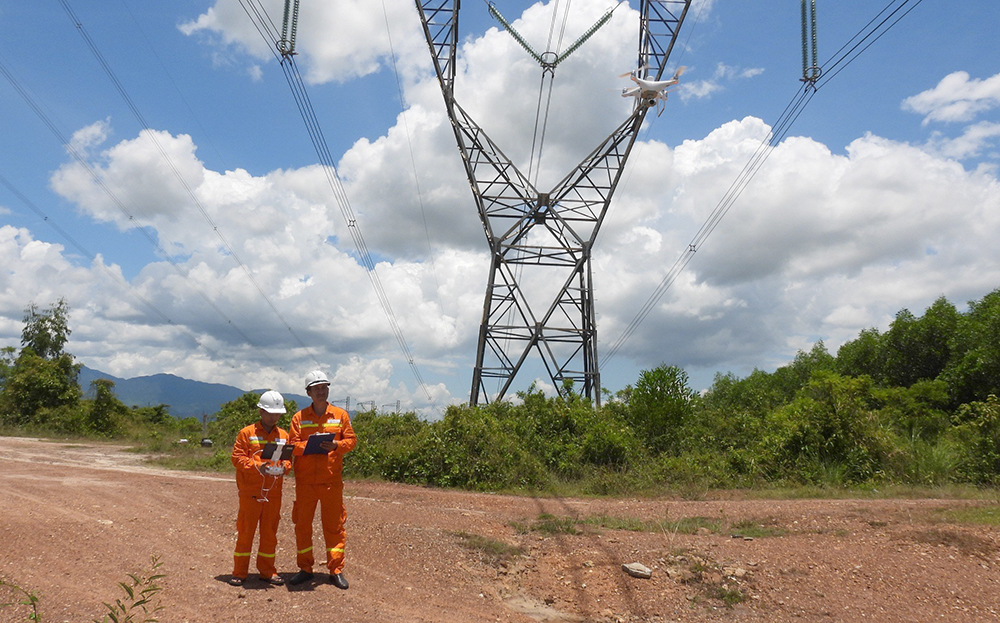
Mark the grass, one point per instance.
(986, 515)
(757, 529)
(139, 602)
(728, 596)
(23, 596)
(494, 552)
(552, 525)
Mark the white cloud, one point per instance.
(823, 243)
(957, 98)
(973, 141)
(336, 41)
(818, 246)
(700, 89)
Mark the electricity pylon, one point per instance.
(540, 294)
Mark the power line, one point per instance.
(96, 178)
(774, 137)
(121, 281)
(177, 174)
(266, 28)
(409, 145)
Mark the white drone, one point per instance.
(650, 92)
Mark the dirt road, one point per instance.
(77, 518)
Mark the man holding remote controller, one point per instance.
(318, 478)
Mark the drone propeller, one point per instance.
(633, 72)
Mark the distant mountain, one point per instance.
(185, 398)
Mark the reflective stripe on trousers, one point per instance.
(252, 514)
(332, 517)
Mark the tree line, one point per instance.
(40, 392)
(915, 405)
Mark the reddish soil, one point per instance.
(77, 518)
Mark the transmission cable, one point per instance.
(286, 59)
(96, 178)
(118, 278)
(767, 145)
(409, 145)
(177, 174)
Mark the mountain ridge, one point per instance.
(183, 397)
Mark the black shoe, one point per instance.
(338, 580)
(300, 577)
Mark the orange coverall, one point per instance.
(254, 509)
(318, 479)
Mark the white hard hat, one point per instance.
(316, 377)
(272, 402)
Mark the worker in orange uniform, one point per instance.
(259, 483)
(318, 479)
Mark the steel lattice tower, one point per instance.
(549, 308)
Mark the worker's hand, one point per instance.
(329, 446)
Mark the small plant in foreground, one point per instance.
(28, 598)
(140, 594)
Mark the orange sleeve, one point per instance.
(349, 439)
(295, 435)
(244, 455)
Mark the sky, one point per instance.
(182, 213)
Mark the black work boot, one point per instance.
(300, 577)
(338, 580)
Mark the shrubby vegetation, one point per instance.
(915, 405)
(40, 393)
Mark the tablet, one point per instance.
(312, 443)
(270, 448)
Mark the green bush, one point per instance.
(830, 432)
(978, 436)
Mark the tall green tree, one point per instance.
(659, 405)
(863, 356)
(918, 349)
(106, 412)
(8, 354)
(43, 377)
(788, 380)
(46, 331)
(973, 370)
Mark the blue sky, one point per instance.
(884, 194)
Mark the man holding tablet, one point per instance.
(318, 466)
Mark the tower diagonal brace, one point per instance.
(659, 22)
(515, 217)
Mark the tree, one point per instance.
(832, 424)
(973, 370)
(8, 354)
(47, 331)
(863, 356)
(36, 385)
(43, 377)
(793, 377)
(106, 411)
(917, 349)
(659, 405)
